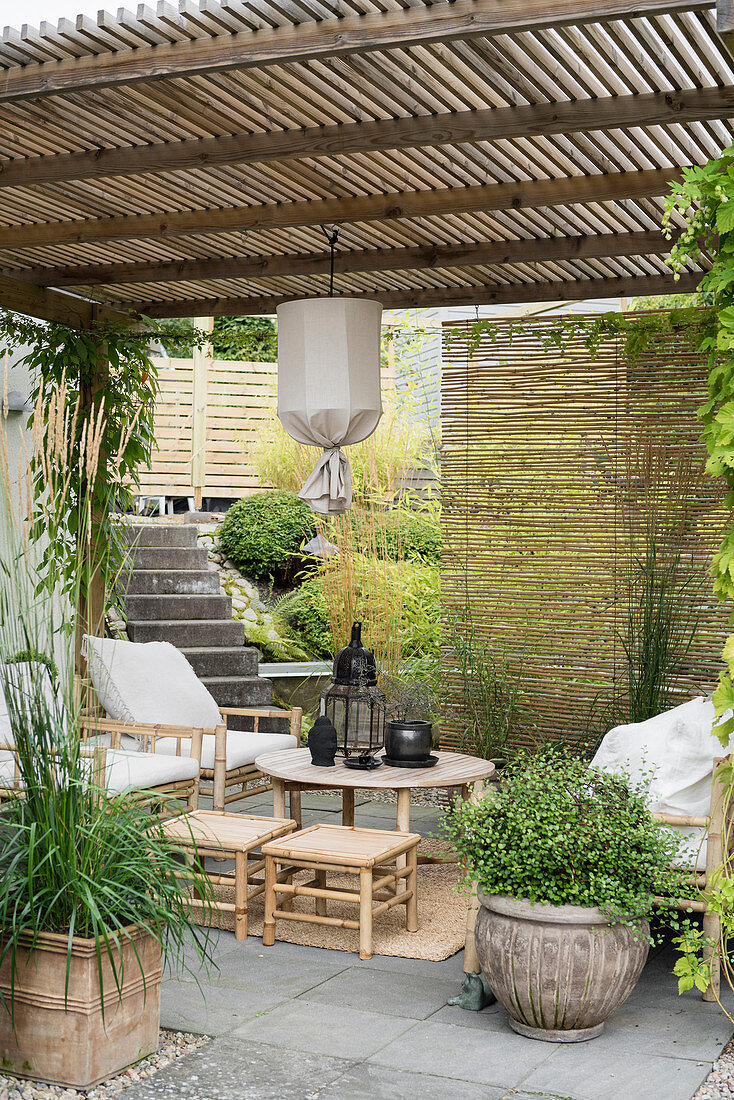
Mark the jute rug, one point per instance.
(441, 915)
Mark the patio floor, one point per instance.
(292, 1022)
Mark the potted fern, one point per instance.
(567, 861)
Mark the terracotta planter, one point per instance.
(69, 1044)
(560, 971)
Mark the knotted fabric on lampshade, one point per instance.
(329, 387)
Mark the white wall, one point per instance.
(15, 380)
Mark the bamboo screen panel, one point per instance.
(240, 399)
(544, 470)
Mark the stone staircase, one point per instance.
(172, 595)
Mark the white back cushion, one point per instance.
(673, 754)
(148, 682)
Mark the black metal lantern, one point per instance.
(354, 704)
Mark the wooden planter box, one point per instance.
(66, 1042)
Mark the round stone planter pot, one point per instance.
(559, 970)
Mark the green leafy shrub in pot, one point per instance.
(262, 534)
(562, 854)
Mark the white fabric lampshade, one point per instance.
(329, 386)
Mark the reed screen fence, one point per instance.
(551, 457)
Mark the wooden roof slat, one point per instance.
(561, 291)
(305, 41)
(378, 259)
(467, 126)
(370, 207)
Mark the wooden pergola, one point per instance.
(182, 161)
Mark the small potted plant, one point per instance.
(567, 861)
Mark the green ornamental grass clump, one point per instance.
(555, 831)
(263, 534)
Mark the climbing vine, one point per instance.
(704, 198)
(108, 382)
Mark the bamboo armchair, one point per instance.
(236, 778)
(718, 853)
(166, 793)
(10, 777)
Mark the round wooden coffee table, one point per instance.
(292, 770)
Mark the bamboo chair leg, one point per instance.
(348, 806)
(270, 901)
(219, 785)
(365, 913)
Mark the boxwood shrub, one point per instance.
(263, 534)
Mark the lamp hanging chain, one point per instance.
(332, 237)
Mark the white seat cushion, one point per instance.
(150, 683)
(242, 747)
(130, 770)
(126, 770)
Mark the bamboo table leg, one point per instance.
(365, 913)
(270, 901)
(411, 916)
(348, 806)
(475, 993)
(240, 896)
(402, 822)
(279, 798)
(295, 805)
(320, 877)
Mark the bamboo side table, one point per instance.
(373, 854)
(292, 770)
(218, 834)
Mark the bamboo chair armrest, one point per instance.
(258, 712)
(140, 729)
(683, 819)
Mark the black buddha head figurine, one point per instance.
(322, 743)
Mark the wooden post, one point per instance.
(714, 860)
(92, 595)
(348, 806)
(203, 359)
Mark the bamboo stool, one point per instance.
(373, 854)
(228, 836)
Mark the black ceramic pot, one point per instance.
(405, 740)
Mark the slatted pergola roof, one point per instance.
(181, 161)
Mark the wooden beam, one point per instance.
(50, 305)
(442, 22)
(610, 112)
(364, 208)
(376, 259)
(499, 294)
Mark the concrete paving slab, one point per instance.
(581, 1073)
(369, 1082)
(673, 1032)
(453, 967)
(325, 1029)
(285, 974)
(214, 1009)
(228, 1069)
(386, 992)
(486, 1057)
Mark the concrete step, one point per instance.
(208, 661)
(169, 557)
(171, 582)
(240, 691)
(187, 635)
(158, 535)
(160, 608)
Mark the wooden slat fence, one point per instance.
(240, 397)
(544, 482)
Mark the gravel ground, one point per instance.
(719, 1085)
(173, 1045)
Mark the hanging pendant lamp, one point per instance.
(329, 385)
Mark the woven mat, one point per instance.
(441, 915)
